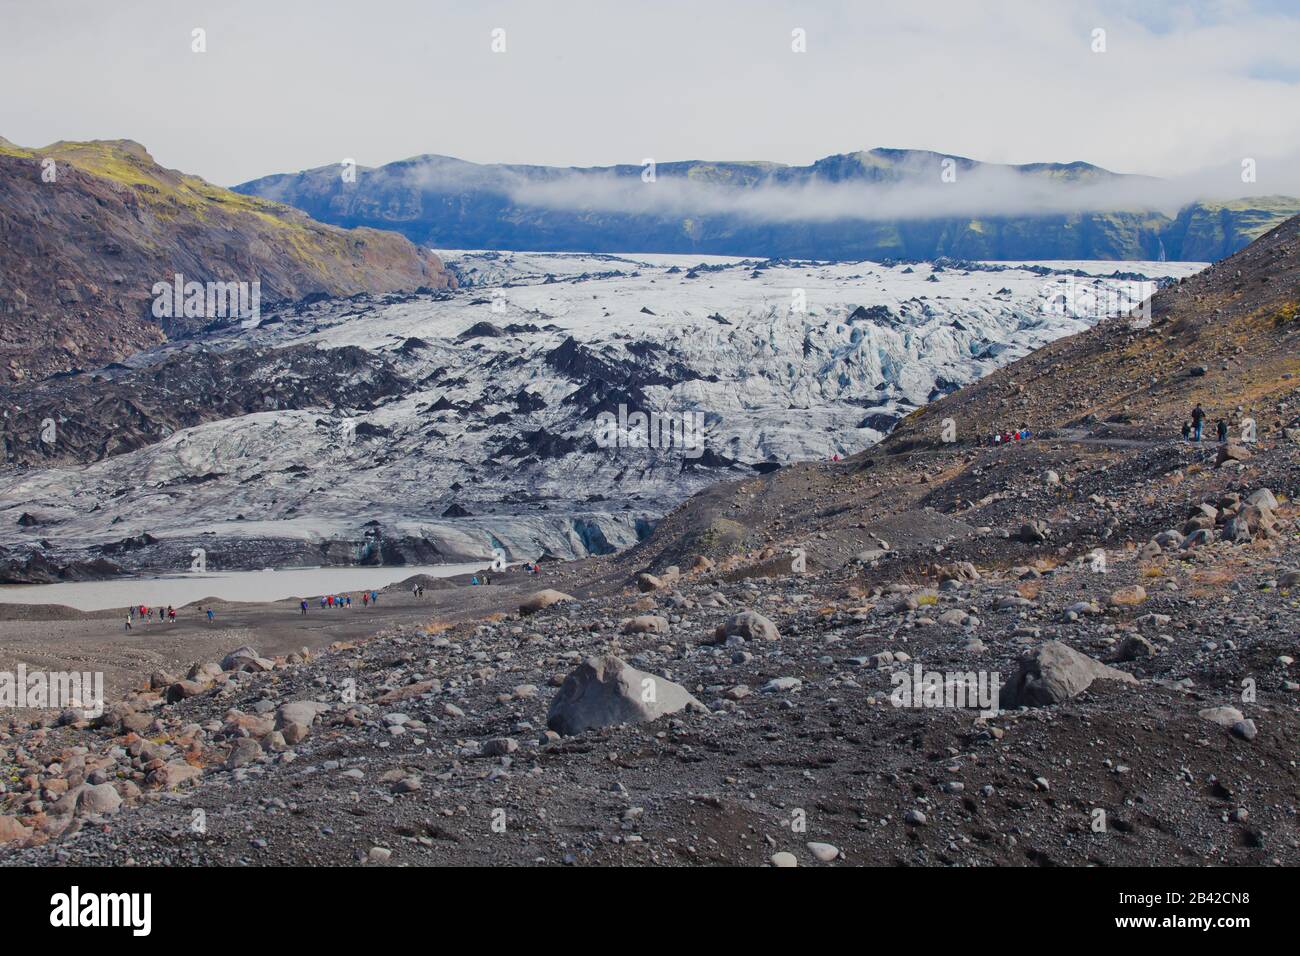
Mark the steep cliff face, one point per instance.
(1206, 231)
(875, 204)
(88, 229)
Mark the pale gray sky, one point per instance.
(290, 84)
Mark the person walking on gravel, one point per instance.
(1198, 421)
(1221, 427)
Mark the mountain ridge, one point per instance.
(774, 210)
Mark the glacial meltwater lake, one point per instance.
(180, 589)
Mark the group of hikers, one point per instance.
(1020, 434)
(1192, 430)
(341, 601)
(144, 613)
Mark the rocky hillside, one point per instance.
(87, 229)
(1228, 337)
(772, 210)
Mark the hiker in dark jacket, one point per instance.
(1222, 427)
(1198, 421)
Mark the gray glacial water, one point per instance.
(181, 589)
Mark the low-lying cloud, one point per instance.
(921, 191)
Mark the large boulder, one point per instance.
(99, 799)
(1223, 716)
(606, 691)
(246, 750)
(1237, 530)
(543, 599)
(1055, 672)
(240, 658)
(185, 688)
(1229, 452)
(646, 624)
(172, 774)
(12, 830)
(294, 719)
(749, 625)
(1264, 498)
(958, 571)
(1035, 531)
(1129, 596)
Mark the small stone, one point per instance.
(500, 746)
(1245, 729)
(824, 852)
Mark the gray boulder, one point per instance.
(99, 799)
(239, 658)
(1263, 498)
(294, 719)
(606, 691)
(1055, 672)
(750, 625)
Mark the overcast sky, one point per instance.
(290, 84)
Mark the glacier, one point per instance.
(492, 442)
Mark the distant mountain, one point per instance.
(88, 229)
(876, 204)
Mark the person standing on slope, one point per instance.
(1222, 427)
(1198, 421)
